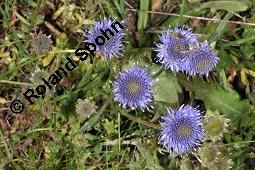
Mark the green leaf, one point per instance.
(4, 54)
(218, 33)
(62, 40)
(140, 55)
(215, 98)
(110, 8)
(166, 88)
(225, 59)
(2, 100)
(143, 14)
(47, 59)
(121, 7)
(22, 19)
(230, 6)
(149, 153)
(173, 20)
(110, 127)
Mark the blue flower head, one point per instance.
(106, 35)
(173, 47)
(201, 60)
(181, 131)
(133, 88)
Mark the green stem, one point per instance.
(30, 61)
(62, 51)
(38, 130)
(249, 141)
(139, 120)
(158, 73)
(181, 13)
(16, 83)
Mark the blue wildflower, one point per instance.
(133, 88)
(175, 44)
(181, 131)
(201, 60)
(106, 35)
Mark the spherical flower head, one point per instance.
(182, 131)
(173, 48)
(215, 156)
(209, 154)
(37, 79)
(201, 60)
(133, 88)
(85, 107)
(106, 35)
(41, 43)
(224, 162)
(215, 125)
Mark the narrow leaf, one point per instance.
(22, 19)
(220, 29)
(143, 14)
(230, 6)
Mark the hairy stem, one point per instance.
(139, 120)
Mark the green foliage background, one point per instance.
(112, 137)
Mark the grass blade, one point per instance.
(143, 14)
